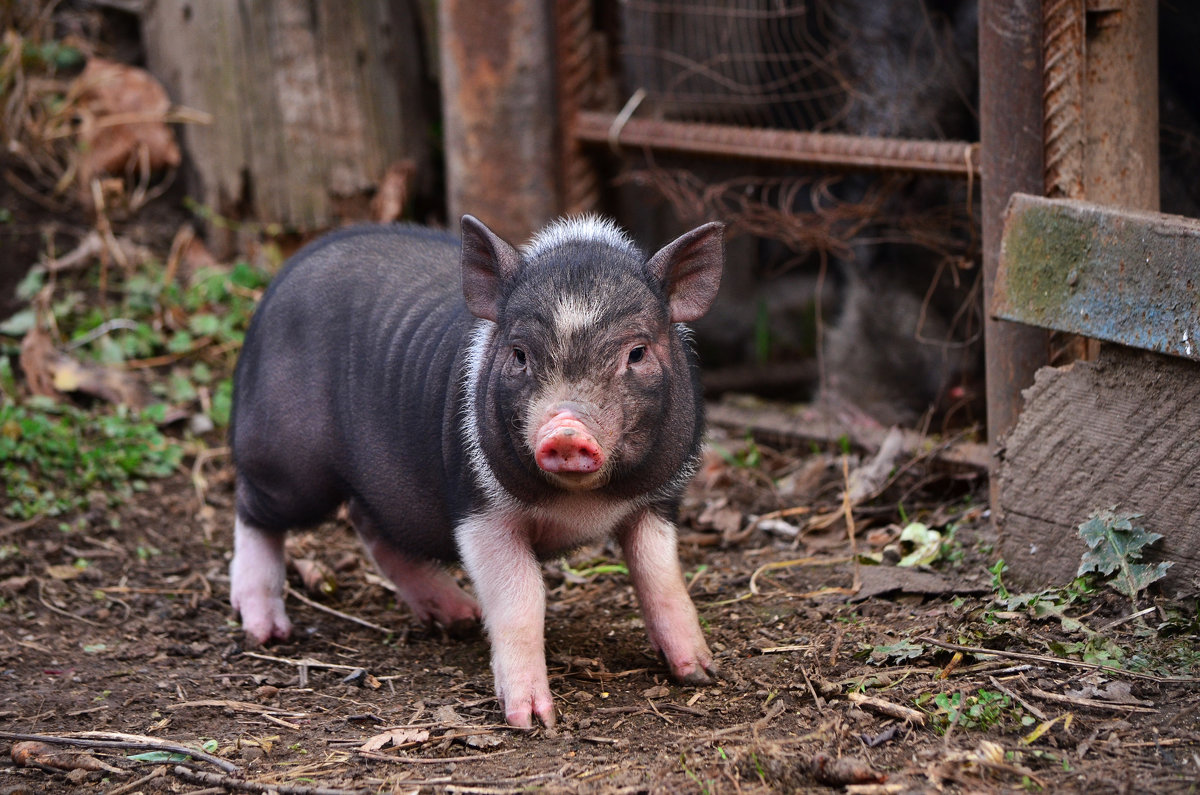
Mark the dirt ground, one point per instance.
(121, 624)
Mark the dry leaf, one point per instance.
(394, 738)
(29, 753)
(484, 740)
(123, 112)
(49, 372)
(316, 576)
(393, 192)
(658, 691)
(14, 585)
(63, 572)
(838, 772)
(446, 714)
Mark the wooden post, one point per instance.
(499, 112)
(1117, 431)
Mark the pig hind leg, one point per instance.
(269, 501)
(257, 578)
(427, 588)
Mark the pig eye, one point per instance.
(518, 357)
(637, 354)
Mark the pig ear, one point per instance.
(487, 262)
(690, 270)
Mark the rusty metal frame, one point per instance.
(944, 158)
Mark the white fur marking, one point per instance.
(481, 337)
(579, 228)
(575, 313)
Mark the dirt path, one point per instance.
(121, 624)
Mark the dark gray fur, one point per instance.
(350, 387)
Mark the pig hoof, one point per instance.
(264, 620)
(695, 673)
(520, 711)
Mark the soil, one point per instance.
(119, 622)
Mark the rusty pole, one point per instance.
(499, 112)
(1011, 160)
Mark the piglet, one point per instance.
(480, 403)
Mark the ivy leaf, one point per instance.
(899, 651)
(1115, 545)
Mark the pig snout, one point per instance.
(567, 442)
(564, 445)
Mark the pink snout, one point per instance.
(564, 445)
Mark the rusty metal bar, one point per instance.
(576, 61)
(945, 158)
(1063, 56)
(1120, 105)
(498, 110)
(1011, 132)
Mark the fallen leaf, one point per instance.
(123, 112)
(394, 738)
(14, 585)
(63, 572)
(393, 192)
(838, 772)
(446, 714)
(484, 740)
(50, 372)
(316, 576)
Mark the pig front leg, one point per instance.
(257, 577)
(671, 622)
(496, 553)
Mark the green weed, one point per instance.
(1115, 549)
(983, 710)
(55, 457)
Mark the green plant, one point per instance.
(1115, 547)
(899, 652)
(749, 457)
(983, 710)
(54, 457)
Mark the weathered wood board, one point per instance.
(1117, 275)
(1122, 431)
(312, 100)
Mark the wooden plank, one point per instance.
(1117, 275)
(1122, 431)
(312, 101)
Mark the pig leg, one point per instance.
(428, 589)
(671, 621)
(497, 555)
(257, 577)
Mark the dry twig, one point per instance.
(135, 742)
